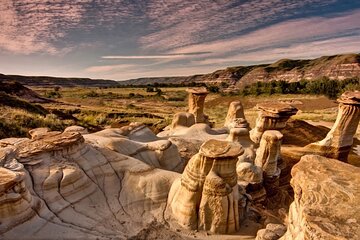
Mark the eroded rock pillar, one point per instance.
(271, 116)
(267, 156)
(196, 103)
(207, 195)
(338, 142)
(235, 116)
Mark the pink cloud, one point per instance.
(179, 23)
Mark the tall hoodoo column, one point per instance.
(235, 115)
(271, 116)
(196, 103)
(337, 143)
(267, 157)
(207, 195)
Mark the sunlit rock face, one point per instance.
(206, 197)
(326, 205)
(271, 116)
(337, 143)
(65, 185)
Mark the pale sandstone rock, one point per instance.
(271, 116)
(326, 204)
(268, 153)
(63, 186)
(241, 135)
(196, 103)
(199, 131)
(271, 232)
(189, 194)
(337, 143)
(249, 173)
(157, 153)
(183, 120)
(78, 129)
(235, 116)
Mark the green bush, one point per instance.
(322, 86)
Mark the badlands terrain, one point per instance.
(260, 172)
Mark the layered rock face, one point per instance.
(206, 197)
(337, 144)
(196, 103)
(65, 185)
(272, 116)
(326, 204)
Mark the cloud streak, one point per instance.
(132, 38)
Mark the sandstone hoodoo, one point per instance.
(206, 196)
(196, 103)
(235, 116)
(189, 180)
(271, 116)
(337, 144)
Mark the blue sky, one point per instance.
(124, 39)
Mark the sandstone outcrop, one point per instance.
(206, 197)
(338, 142)
(326, 204)
(65, 185)
(125, 183)
(196, 103)
(271, 116)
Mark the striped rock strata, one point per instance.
(65, 185)
(326, 201)
(207, 196)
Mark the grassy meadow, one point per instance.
(98, 108)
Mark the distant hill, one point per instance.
(334, 67)
(58, 81)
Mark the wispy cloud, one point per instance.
(178, 23)
(163, 56)
(132, 38)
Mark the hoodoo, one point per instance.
(271, 116)
(206, 196)
(337, 143)
(196, 103)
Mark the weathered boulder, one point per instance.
(326, 204)
(271, 232)
(183, 120)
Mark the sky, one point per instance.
(126, 39)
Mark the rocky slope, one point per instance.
(334, 67)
